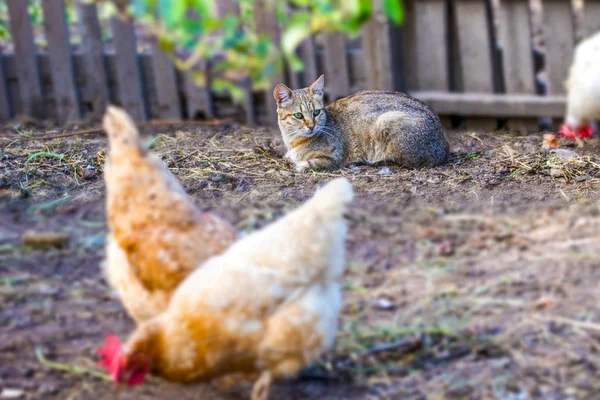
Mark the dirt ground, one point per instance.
(474, 280)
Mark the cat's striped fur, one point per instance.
(368, 126)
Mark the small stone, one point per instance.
(49, 388)
(355, 169)
(384, 304)
(556, 173)
(564, 153)
(445, 248)
(217, 178)
(9, 393)
(88, 174)
(384, 171)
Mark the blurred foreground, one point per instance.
(473, 279)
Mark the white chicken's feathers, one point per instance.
(583, 83)
(292, 264)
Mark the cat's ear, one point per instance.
(282, 94)
(318, 87)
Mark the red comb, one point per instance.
(582, 132)
(131, 372)
(566, 131)
(112, 357)
(585, 131)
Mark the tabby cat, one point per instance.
(368, 126)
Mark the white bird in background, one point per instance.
(583, 86)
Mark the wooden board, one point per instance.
(474, 46)
(474, 53)
(5, 113)
(337, 80)
(266, 22)
(560, 42)
(308, 54)
(30, 88)
(225, 7)
(59, 49)
(165, 81)
(591, 17)
(93, 51)
(515, 36)
(128, 70)
(426, 46)
(198, 98)
(376, 49)
(493, 105)
(514, 32)
(247, 102)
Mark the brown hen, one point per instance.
(157, 236)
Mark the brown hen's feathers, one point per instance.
(157, 235)
(269, 304)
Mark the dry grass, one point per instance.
(477, 279)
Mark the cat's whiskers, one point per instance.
(294, 134)
(329, 132)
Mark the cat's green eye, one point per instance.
(298, 115)
(316, 112)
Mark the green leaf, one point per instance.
(139, 7)
(297, 29)
(221, 85)
(204, 8)
(295, 62)
(172, 11)
(394, 10)
(199, 78)
(166, 44)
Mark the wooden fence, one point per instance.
(472, 60)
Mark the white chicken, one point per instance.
(267, 306)
(583, 85)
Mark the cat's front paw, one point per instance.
(302, 166)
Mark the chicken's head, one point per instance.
(124, 368)
(581, 132)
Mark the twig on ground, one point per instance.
(592, 326)
(39, 354)
(141, 125)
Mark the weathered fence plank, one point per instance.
(165, 82)
(515, 36)
(59, 49)
(426, 48)
(591, 17)
(308, 54)
(129, 79)
(198, 98)
(560, 42)
(475, 65)
(337, 79)
(266, 22)
(376, 51)
(30, 87)
(486, 105)
(474, 46)
(5, 113)
(95, 70)
(225, 7)
(248, 103)
(517, 55)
